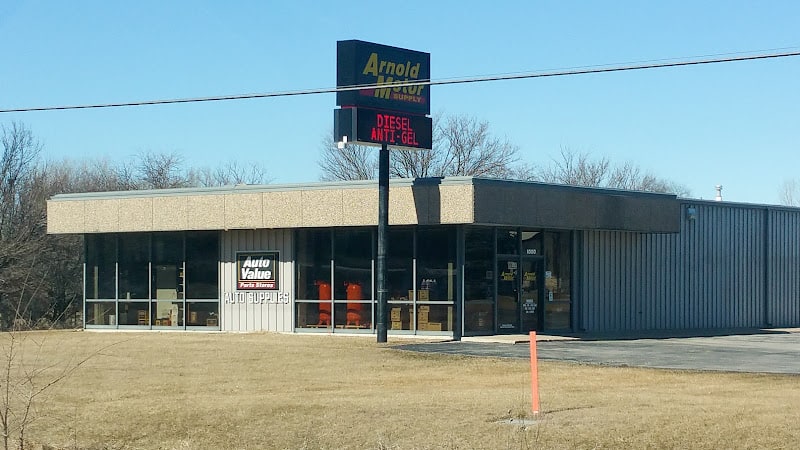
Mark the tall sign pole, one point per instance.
(385, 101)
(383, 243)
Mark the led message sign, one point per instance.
(364, 63)
(376, 127)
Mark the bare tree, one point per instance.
(27, 378)
(21, 224)
(580, 169)
(20, 152)
(354, 162)
(231, 173)
(575, 169)
(161, 170)
(465, 147)
(790, 193)
(462, 146)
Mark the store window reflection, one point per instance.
(436, 264)
(352, 271)
(400, 264)
(134, 258)
(313, 270)
(436, 279)
(557, 280)
(168, 279)
(154, 274)
(101, 257)
(202, 268)
(479, 280)
(101, 313)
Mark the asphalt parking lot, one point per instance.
(759, 351)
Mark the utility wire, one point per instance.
(478, 79)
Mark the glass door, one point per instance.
(507, 296)
(531, 294)
(519, 294)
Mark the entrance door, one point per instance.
(531, 295)
(508, 296)
(519, 295)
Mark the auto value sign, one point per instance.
(257, 270)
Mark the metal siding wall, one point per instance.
(784, 269)
(706, 276)
(271, 316)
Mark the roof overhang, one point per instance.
(423, 201)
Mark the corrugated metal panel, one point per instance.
(274, 314)
(783, 286)
(709, 275)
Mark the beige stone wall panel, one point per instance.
(205, 212)
(322, 207)
(244, 211)
(136, 214)
(169, 213)
(457, 205)
(359, 207)
(101, 216)
(282, 209)
(66, 217)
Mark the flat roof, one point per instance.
(421, 201)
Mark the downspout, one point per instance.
(766, 321)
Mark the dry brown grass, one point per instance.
(254, 391)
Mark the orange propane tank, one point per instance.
(353, 308)
(324, 307)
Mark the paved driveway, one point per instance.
(768, 352)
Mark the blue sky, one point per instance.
(735, 124)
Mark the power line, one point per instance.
(477, 79)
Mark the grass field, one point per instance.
(255, 391)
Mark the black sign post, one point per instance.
(383, 243)
(385, 101)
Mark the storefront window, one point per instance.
(101, 313)
(436, 264)
(133, 313)
(435, 317)
(134, 255)
(507, 242)
(202, 314)
(202, 265)
(401, 316)
(353, 315)
(479, 280)
(168, 279)
(400, 264)
(101, 257)
(352, 264)
(155, 271)
(531, 243)
(313, 250)
(557, 280)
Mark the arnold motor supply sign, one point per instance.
(257, 270)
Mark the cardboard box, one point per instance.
(433, 326)
(397, 325)
(424, 308)
(395, 314)
(422, 317)
(423, 295)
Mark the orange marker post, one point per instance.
(534, 375)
